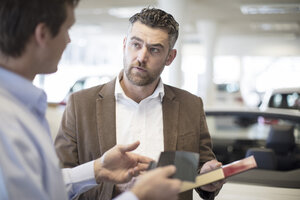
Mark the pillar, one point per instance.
(175, 8)
(208, 32)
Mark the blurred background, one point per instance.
(242, 57)
(230, 51)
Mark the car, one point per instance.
(285, 100)
(237, 132)
(55, 109)
(229, 94)
(234, 131)
(84, 83)
(281, 98)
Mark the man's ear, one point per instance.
(42, 34)
(124, 43)
(171, 56)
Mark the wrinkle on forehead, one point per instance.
(150, 36)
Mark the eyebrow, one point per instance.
(151, 45)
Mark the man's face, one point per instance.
(146, 52)
(58, 43)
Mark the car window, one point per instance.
(77, 86)
(288, 101)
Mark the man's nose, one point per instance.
(68, 39)
(143, 55)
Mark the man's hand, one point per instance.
(157, 185)
(118, 165)
(208, 166)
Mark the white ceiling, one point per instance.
(240, 34)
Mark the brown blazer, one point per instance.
(88, 130)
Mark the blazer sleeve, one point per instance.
(205, 150)
(205, 147)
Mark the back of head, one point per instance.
(19, 18)
(156, 18)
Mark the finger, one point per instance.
(217, 164)
(176, 184)
(129, 147)
(142, 172)
(143, 159)
(141, 167)
(136, 172)
(216, 185)
(129, 175)
(213, 164)
(219, 184)
(205, 168)
(213, 186)
(210, 165)
(208, 188)
(167, 170)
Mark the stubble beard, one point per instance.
(139, 78)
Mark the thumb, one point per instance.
(129, 147)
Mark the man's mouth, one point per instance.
(142, 69)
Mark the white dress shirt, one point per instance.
(126, 196)
(140, 121)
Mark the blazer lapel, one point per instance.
(170, 109)
(106, 117)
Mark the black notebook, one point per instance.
(186, 164)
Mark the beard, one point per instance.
(141, 78)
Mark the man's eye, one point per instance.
(136, 45)
(154, 50)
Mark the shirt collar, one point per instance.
(23, 90)
(158, 92)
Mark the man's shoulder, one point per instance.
(95, 91)
(179, 93)
(14, 112)
(9, 103)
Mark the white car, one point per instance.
(55, 110)
(282, 98)
(86, 82)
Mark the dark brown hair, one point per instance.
(19, 18)
(157, 18)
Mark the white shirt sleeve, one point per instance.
(126, 196)
(79, 179)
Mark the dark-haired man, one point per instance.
(33, 35)
(138, 106)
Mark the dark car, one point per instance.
(276, 147)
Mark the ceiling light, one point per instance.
(125, 12)
(275, 26)
(89, 11)
(270, 9)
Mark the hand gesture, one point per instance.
(119, 165)
(157, 185)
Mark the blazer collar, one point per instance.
(170, 108)
(106, 116)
